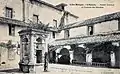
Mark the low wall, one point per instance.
(81, 70)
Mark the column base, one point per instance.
(27, 68)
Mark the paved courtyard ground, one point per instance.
(62, 69)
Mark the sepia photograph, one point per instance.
(59, 36)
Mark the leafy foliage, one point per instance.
(7, 45)
(106, 47)
(38, 25)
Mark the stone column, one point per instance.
(117, 54)
(112, 56)
(57, 53)
(32, 55)
(71, 56)
(57, 56)
(21, 54)
(32, 51)
(117, 57)
(89, 58)
(21, 49)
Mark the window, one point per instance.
(90, 30)
(55, 23)
(11, 54)
(53, 34)
(11, 30)
(35, 18)
(66, 34)
(9, 12)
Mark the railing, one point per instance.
(100, 64)
(93, 64)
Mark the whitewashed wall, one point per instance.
(80, 31)
(15, 4)
(106, 26)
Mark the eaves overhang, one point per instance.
(92, 21)
(52, 6)
(22, 24)
(98, 38)
(12, 21)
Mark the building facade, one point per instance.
(16, 15)
(91, 42)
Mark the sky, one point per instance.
(84, 12)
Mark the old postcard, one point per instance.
(60, 36)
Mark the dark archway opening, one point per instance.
(79, 54)
(101, 53)
(38, 56)
(65, 56)
(64, 59)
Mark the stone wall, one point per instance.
(43, 11)
(8, 58)
(97, 28)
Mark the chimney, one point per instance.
(61, 6)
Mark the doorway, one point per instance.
(38, 56)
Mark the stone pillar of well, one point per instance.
(21, 49)
(28, 48)
(32, 53)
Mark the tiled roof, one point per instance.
(98, 38)
(12, 21)
(92, 21)
(22, 24)
(50, 5)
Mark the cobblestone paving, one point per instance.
(63, 69)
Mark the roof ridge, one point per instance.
(53, 6)
(92, 21)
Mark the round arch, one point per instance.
(79, 54)
(64, 51)
(101, 53)
(64, 56)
